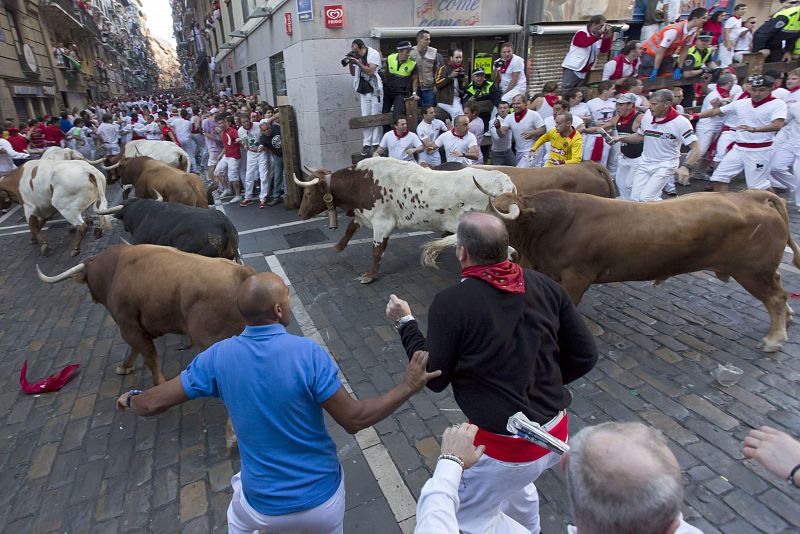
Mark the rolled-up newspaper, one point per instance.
(523, 427)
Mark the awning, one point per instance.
(450, 31)
(555, 29)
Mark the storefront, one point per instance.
(32, 100)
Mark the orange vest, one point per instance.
(653, 44)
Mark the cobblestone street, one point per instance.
(69, 462)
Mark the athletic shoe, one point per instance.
(262, 205)
(274, 202)
(365, 150)
(245, 202)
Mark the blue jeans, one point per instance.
(425, 96)
(504, 158)
(278, 182)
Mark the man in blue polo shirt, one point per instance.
(275, 385)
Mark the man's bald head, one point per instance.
(622, 478)
(264, 299)
(484, 237)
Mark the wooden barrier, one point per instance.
(291, 155)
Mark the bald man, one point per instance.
(507, 340)
(275, 386)
(622, 477)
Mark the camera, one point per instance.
(347, 57)
(499, 62)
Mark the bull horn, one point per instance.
(513, 211)
(309, 170)
(59, 277)
(109, 211)
(315, 181)
(481, 189)
(114, 166)
(127, 187)
(159, 198)
(95, 161)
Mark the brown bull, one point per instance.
(148, 176)
(579, 240)
(588, 177)
(151, 291)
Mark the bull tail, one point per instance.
(780, 206)
(101, 203)
(602, 171)
(183, 163)
(432, 249)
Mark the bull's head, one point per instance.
(317, 196)
(507, 201)
(113, 165)
(5, 200)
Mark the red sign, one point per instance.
(334, 16)
(288, 23)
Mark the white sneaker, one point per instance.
(235, 200)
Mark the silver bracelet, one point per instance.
(452, 457)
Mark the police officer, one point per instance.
(697, 62)
(400, 73)
(769, 38)
(480, 90)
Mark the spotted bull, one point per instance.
(386, 194)
(46, 187)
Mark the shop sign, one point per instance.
(334, 16)
(34, 90)
(289, 27)
(447, 12)
(484, 63)
(305, 10)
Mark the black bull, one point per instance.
(197, 230)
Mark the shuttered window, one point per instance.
(21, 107)
(546, 54)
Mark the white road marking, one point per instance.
(276, 226)
(352, 242)
(399, 497)
(9, 213)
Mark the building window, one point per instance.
(245, 9)
(239, 85)
(230, 16)
(252, 79)
(21, 107)
(278, 76)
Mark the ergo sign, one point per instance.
(334, 16)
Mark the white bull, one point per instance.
(164, 151)
(55, 153)
(66, 187)
(386, 194)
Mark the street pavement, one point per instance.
(69, 462)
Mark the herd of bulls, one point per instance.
(562, 221)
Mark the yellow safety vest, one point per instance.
(404, 69)
(700, 58)
(484, 89)
(792, 15)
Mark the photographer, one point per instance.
(584, 49)
(450, 84)
(509, 73)
(364, 63)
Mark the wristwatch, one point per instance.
(402, 321)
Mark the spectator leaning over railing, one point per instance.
(661, 47)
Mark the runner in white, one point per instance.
(602, 109)
(509, 73)
(662, 131)
(709, 128)
(459, 143)
(428, 131)
(526, 126)
(730, 34)
(501, 152)
(400, 143)
(760, 118)
(787, 155)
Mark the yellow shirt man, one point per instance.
(563, 148)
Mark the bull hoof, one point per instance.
(33, 240)
(45, 249)
(122, 370)
(98, 233)
(71, 230)
(338, 248)
(767, 345)
(367, 278)
(74, 252)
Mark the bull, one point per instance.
(386, 194)
(197, 230)
(579, 240)
(46, 187)
(146, 176)
(55, 153)
(166, 152)
(151, 291)
(588, 177)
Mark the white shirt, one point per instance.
(251, 137)
(662, 142)
(397, 147)
(477, 128)
(734, 27)
(182, 127)
(790, 97)
(791, 129)
(149, 131)
(452, 143)
(712, 123)
(627, 69)
(517, 65)
(602, 110)
(500, 144)
(760, 115)
(438, 500)
(430, 131)
(6, 165)
(744, 42)
(581, 110)
(373, 58)
(531, 121)
(108, 132)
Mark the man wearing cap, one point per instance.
(776, 38)
(660, 48)
(481, 90)
(627, 121)
(760, 116)
(698, 61)
(400, 75)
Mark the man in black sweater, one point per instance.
(508, 340)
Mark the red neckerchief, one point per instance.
(519, 115)
(51, 383)
(505, 66)
(453, 131)
(551, 99)
(793, 90)
(671, 114)
(457, 66)
(724, 93)
(623, 121)
(133, 121)
(770, 98)
(743, 95)
(621, 60)
(400, 136)
(505, 276)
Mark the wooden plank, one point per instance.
(370, 120)
(412, 114)
(291, 155)
(782, 66)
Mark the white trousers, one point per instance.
(371, 105)
(500, 497)
(327, 518)
(541, 154)
(229, 166)
(706, 136)
(453, 109)
(725, 56)
(257, 169)
(649, 179)
(725, 140)
(187, 144)
(784, 161)
(434, 159)
(614, 153)
(626, 168)
(755, 162)
(509, 96)
(524, 160)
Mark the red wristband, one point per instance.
(695, 116)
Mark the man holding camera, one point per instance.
(364, 63)
(451, 79)
(509, 73)
(584, 49)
